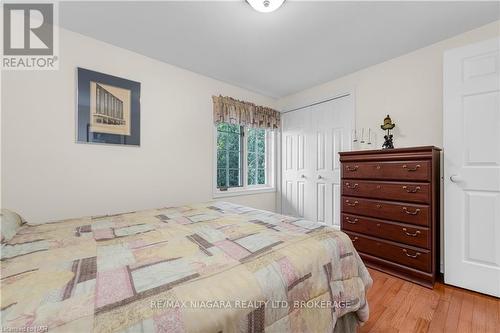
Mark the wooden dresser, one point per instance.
(390, 210)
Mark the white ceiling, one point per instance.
(298, 46)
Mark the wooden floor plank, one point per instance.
(421, 312)
(421, 326)
(383, 324)
(451, 322)
(439, 318)
(405, 312)
(465, 318)
(400, 306)
(479, 314)
(377, 309)
(492, 316)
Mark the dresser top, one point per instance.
(391, 151)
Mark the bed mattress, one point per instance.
(211, 267)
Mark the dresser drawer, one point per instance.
(405, 255)
(398, 232)
(413, 192)
(394, 211)
(400, 170)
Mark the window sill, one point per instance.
(232, 192)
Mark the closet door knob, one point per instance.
(456, 179)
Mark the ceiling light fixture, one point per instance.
(265, 6)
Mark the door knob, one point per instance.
(456, 179)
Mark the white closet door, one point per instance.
(295, 164)
(312, 138)
(472, 167)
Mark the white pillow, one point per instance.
(10, 222)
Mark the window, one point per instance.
(229, 155)
(256, 156)
(244, 158)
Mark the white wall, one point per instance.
(409, 88)
(47, 176)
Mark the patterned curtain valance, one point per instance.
(232, 111)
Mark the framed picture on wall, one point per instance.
(108, 109)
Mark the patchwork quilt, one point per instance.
(213, 267)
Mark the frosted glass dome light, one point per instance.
(265, 6)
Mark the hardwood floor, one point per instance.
(400, 306)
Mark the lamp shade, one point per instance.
(265, 6)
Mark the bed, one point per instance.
(211, 267)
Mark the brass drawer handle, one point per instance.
(416, 255)
(354, 239)
(413, 190)
(348, 203)
(411, 213)
(415, 234)
(352, 169)
(415, 168)
(348, 220)
(352, 187)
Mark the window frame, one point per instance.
(270, 167)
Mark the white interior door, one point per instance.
(472, 167)
(312, 138)
(295, 163)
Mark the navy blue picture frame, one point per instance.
(84, 135)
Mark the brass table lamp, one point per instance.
(388, 126)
